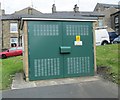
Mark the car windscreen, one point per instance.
(112, 34)
(12, 49)
(19, 48)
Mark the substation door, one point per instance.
(60, 49)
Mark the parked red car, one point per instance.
(15, 51)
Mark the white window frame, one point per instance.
(15, 41)
(100, 23)
(116, 19)
(15, 26)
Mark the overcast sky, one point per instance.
(45, 6)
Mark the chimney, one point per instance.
(3, 12)
(99, 10)
(30, 11)
(53, 8)
(76, 8)
(119, 5)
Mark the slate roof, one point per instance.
(23, 11)
(10, 17)
(62, 17)
(109, 5)
(87, 14)
(58, 14)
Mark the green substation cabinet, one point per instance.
(60, 49)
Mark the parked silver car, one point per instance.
(116, 40)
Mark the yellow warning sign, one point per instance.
(77, 38)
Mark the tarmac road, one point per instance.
(91, 89)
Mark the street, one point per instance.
(91, 89)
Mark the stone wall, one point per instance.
(6, 33)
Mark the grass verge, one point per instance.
(107, 57)
(9, 67)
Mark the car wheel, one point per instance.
(115, 42)
(4, 56)
(104, 43)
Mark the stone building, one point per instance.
(1, 14)
(9, 31)
(107, 10)
(115, 20)
(101, 7)
(11, 35)
(77, 12)
(10, 27)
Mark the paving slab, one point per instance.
(66, 81)
(80, 87)
(20, 83)
(89, 89)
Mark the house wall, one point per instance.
(6, 33)
(6, 26)
(107, 19)
(115, 25)
(96, 24)
(107, 12)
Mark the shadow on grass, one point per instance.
(106, 73)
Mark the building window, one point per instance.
(100, 23)
(116, 19)
(14, 42)
(13, 28)
(117, 30)
(30, 11)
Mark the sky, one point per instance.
(45, 6)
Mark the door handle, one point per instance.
(65, 49)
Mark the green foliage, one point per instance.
(9, 67)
